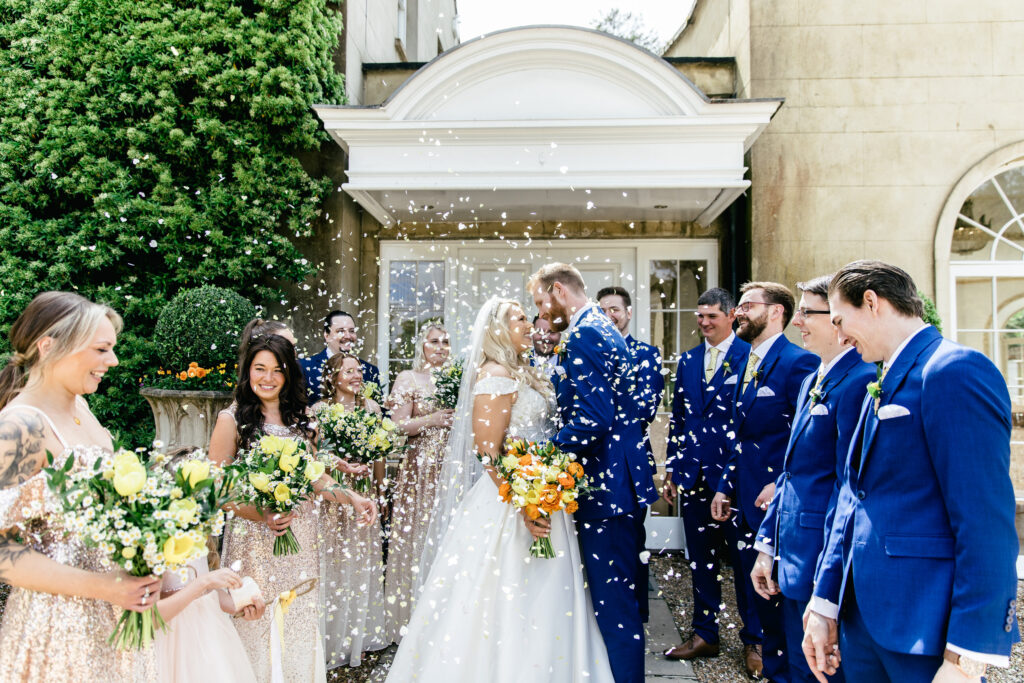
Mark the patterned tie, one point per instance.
(751, 366)
(709, 371)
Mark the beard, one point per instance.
(753, 328)
(558, 316)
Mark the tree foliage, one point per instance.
(150, 145)
(629, 26)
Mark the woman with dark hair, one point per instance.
(62, 603)
(256, 328)
(270, 399)
(354, 561)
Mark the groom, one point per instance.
(595, 379)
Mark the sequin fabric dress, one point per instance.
(413, 498)
(353, 571)
(252, 544)
(45, 637)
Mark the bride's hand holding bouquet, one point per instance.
(145, 518)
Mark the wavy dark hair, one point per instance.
(249, 413)
(331, 370)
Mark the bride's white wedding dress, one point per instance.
(489, 612)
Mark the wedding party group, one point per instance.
(859, 488)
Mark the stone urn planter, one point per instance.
(185, 419)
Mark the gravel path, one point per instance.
(673, 575)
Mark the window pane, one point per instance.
(692, 282)
(664, 284)
(982, 341)
(974, 303)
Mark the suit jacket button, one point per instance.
(1008, 628)
(1013, 603)
(861, 494)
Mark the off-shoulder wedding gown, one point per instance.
(490, 612)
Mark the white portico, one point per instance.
(539, 144)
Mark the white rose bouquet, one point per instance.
(447, 380)
(144, 517)
(357, 436)
(277, 473)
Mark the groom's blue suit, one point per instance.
(595, 381)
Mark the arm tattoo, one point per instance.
(11, 551)
(21, 447)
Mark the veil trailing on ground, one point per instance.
(460, 468)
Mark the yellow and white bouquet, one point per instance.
(357, 436)
(540, 479)
(277, 474)
(145, 517)
(447, 380)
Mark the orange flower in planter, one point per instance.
(183, 375)
(201, 373)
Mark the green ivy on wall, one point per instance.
(147, 146)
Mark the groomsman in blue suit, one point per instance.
(917, 582)
(594, 382)
(617, 304)
(793, 532)
(764, 406)
(340, 335)
(698, 449)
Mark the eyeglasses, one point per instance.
(807, 312)
(745, 306)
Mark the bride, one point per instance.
(486, 610)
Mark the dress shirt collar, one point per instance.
(577, 315)
(824, 369)
(764, 347)
(899, 349)
(723, 346)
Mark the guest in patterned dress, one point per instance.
(62, 604)
(354, 562)
(427, 427)
(270, 399)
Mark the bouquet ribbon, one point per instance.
(280, 608)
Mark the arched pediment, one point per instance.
(545, 73)
(548, 123)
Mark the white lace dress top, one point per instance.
(533, 413)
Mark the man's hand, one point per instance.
(720, 507)
(950, 673)
(821, 645)
(761, 575)
(668, 491)
(765, 497)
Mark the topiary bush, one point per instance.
(931, 314)
(148, 146)
(201, 325)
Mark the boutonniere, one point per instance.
(875, 389)
(756, 375)
(726, 369)
(559, 348)
(816, 395)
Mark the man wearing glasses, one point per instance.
(698, 448)
(764, 405)
(793, 530)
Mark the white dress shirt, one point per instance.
(723, 349)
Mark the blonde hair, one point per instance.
(331, 369)
(551, 273)
(496, 346)
(69, 319)
(419, 360)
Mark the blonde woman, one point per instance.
(62, 605)
(355, 610)
(411, 407)
(486, 610)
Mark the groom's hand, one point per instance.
(720, 511)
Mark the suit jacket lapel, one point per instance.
(720, 376)
(894, 380)
(803, 416)
(693, 381)
(767, 363)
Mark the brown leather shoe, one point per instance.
(692, 649)
(752, 660)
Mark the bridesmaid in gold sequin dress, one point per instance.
(62, 605)
(427, 427)
(354, 561)
(270, 398)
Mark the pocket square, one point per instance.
(892, 410)
(731, 379)
(560, 371)
(765, 391)
(819, 409)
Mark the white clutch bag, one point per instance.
(246, 595)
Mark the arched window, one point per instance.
(986, 269)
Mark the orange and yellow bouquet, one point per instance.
(540, 480)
